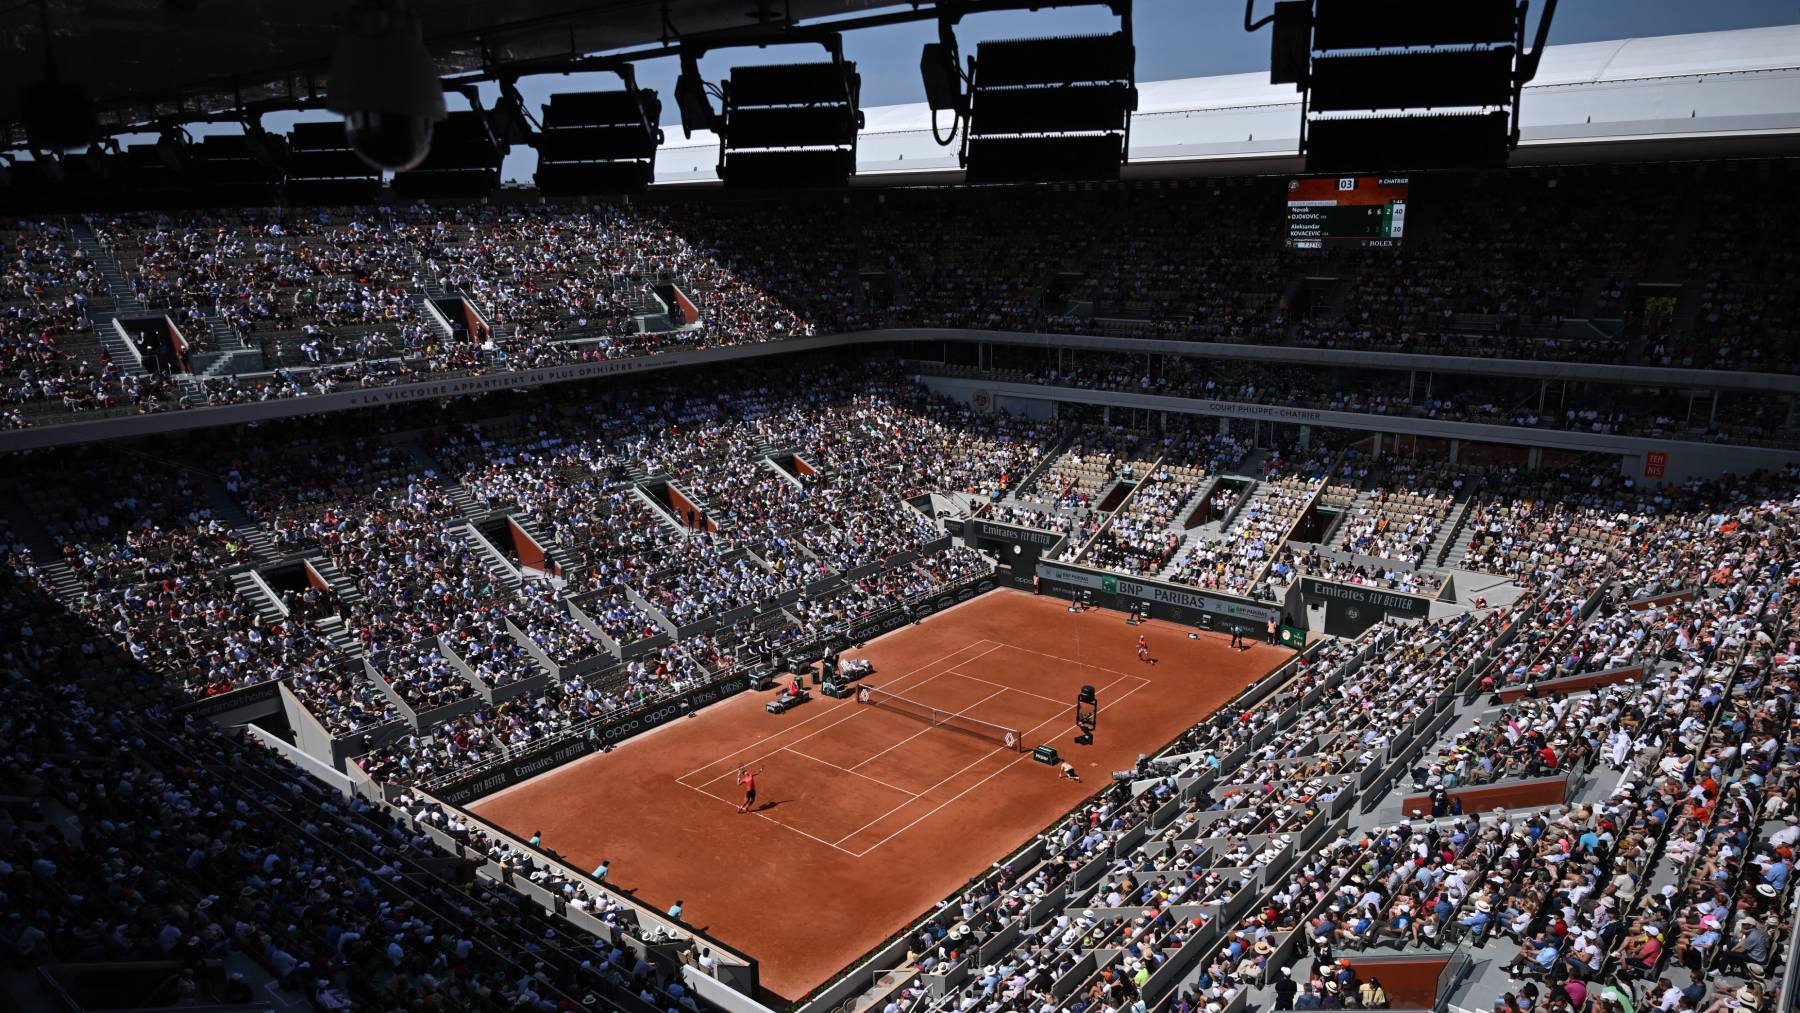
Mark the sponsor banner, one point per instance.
(1013, 535)
(528, 765)
(662, 714)
(1079, 578)
(1195, 600)
(954, 525)
(890, 620)
(1352, 608)
(514, 771)
(1656, 463)
(262, 694)
(1389, 602)
(1167, 602)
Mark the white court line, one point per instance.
(847, 770)
(826, 713)
(957, 773)
(1001, 769)
(854, 711)
(1023, 692)
(771, 819)
(1072, 661)
(963, 713)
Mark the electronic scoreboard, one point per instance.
(1327, 211)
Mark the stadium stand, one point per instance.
(286, 303)
(255, 667)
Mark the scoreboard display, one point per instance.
(1328, 211)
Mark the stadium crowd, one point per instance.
(1681, 873)
(340, 298)
(197, 844)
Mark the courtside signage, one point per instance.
(1188, 599)
(1161, 594)
(531, 764)
(1008, 533)
(1079, 578)
(1387, 601)
(264, 693)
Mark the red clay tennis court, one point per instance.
(868, 814)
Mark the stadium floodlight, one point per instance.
(1036, 109)
(788, 125)
(791, 125)
(599, 141)
(323, 169)
(1404, 84)
(464, 160)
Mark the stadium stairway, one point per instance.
(116, 282)
(1257, 489)
(225, 338)
(465, 500)
(247, 530)
(466, 503)
(62, 579)
(341, 585)
(497, 565)
(785, 475)
(103, 311)
(1450, 532)
(341, 636)
(1049, 457)
(657, 510)
(118, 349)
(52, 570)
(252, 588)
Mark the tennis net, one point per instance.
(937, 716)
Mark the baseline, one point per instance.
(851, 712)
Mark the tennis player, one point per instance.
(1143, 648)
(747, 781)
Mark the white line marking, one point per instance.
(964, 712)
(850, 770)
(771, 819)
(965, 767)
(1023, 692)
(738, 752)
(1072, 661)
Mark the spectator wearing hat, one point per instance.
(1476, 922)
(1740, 1000)
(1644, 952)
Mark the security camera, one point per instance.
(384, 84)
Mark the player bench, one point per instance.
(786, 702)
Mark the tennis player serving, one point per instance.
(747, 781)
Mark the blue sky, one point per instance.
(1174, 38)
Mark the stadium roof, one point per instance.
(1710, 92)
(140, 59)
